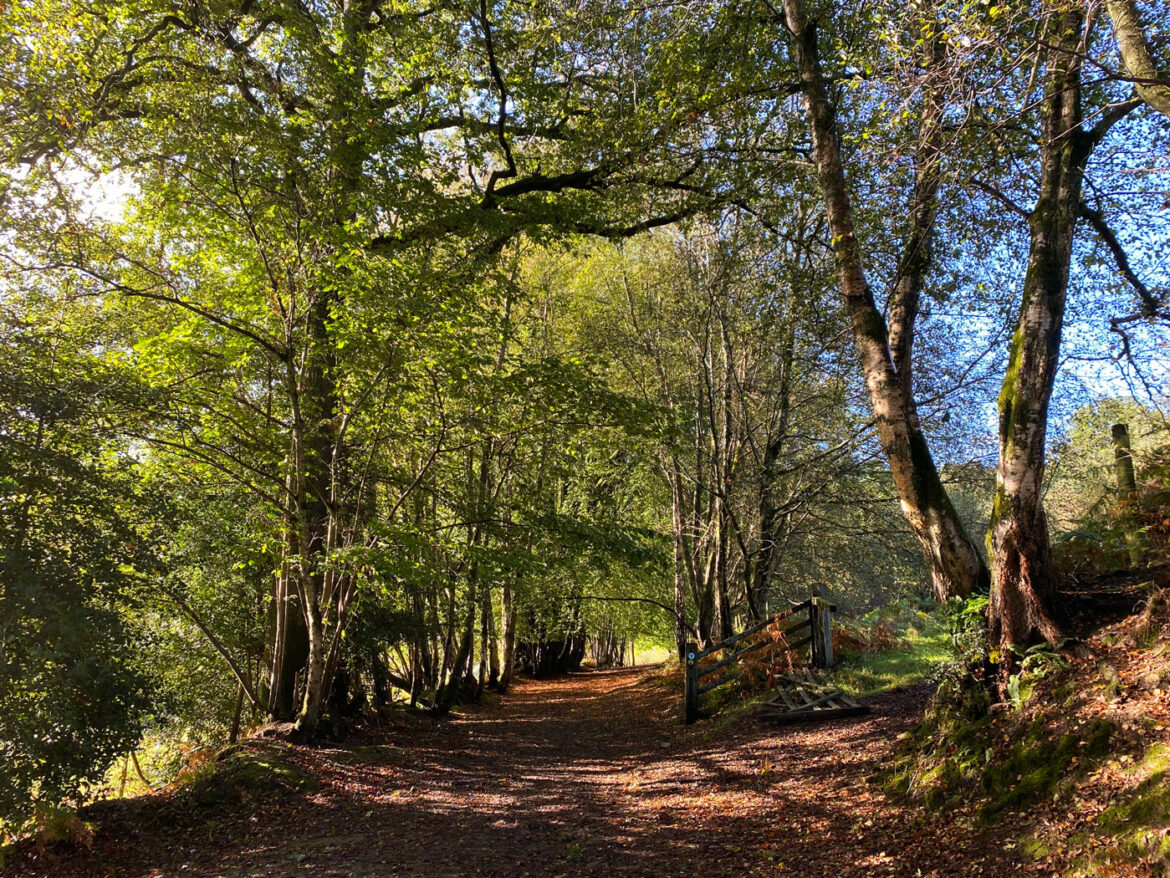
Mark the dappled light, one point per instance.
(553, 438)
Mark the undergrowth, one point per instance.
(1075, 760)
(242, 775)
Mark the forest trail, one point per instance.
(584, 775)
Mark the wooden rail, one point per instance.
(814, 615)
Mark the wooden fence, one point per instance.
(813, 616)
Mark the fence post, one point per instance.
(826, 636)
(816, 648)
(691, 694)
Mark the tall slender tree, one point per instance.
(1024, 579)
(885, 347)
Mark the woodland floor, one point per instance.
(585, 775)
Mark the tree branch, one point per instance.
(1151, 306)
(633, 600)
(215, 642)
(1001, 197)
(1136, 55)
(502, 119)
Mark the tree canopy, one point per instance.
(378, 351)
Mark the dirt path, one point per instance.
(580, 776)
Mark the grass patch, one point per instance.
(895, 647)
(651, 654)
(921, 643)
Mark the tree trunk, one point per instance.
(682, 559)
(680, 602)
(234, 734)
(770, 515)
(493, 644)
(1025, 580)
(314, 455)
(722, 435)
(315, 684)
(288, 647)
(509, 634)
(705, 601)
(485, 619)
(319, 453)
(956, 567)
(380, 681)
(449, 691)
(723, 622)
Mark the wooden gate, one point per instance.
(809, 625)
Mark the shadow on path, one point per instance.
(584, 775)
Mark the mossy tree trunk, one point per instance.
(288, 641)
(955, 564)
(314, 457)
(1024, 578)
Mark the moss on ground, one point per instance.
(1138, 819)
(1080, 753)
(242, 775)
(1039, 764)
(995, 764)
